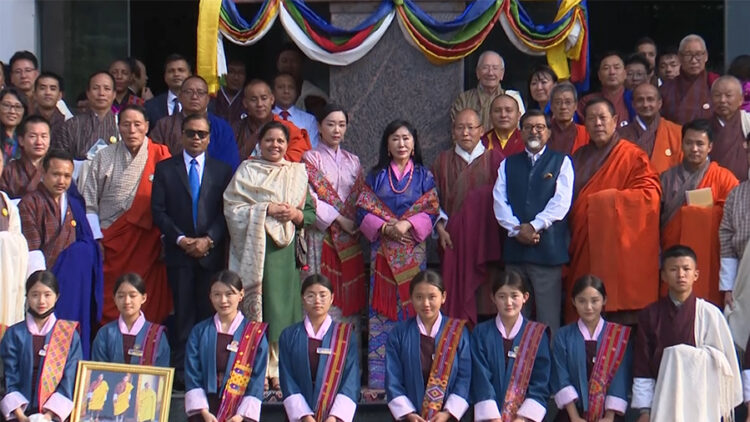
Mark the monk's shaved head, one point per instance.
(727, 81)
(647, 101)
(647, 88)
(726, 96)
(505, 98)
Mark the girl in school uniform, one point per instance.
(511, 358)
(226, 344)
(40, 355)
(591, 360)
(428, 358)
(319, 360)
(131, 339)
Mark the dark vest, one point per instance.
(529, 189)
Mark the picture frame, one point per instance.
(100, 390)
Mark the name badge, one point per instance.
(234, 346)
(513, 353)
(43, 351)
(135, 351)
(323, 351)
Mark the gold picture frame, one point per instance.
(96, 396)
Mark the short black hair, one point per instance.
(699, 125)
(273, 125)
(133, 279)
(328, 109)
(24, 55)
(45, 277)
(195, 116)
(174, 57)
(512, 279)
(50, 75)
(678, 251)
(128, 62)
(97, 73)
(599, 100)
(431, 277)
(24, 125)
(665, 52)
(639, 59)
(645, 40)
(280, 74)
(228, 278)
(314, 279)
(20, 96)
(56, 154)
(588, 280)
(534, 112)
(134, 107)
(609, 53)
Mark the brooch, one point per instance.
(706, 106)
(668, 152)
(73, 223)
(5, 212)
(112, 139)
(548, 176)
(150, 177)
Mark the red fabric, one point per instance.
(515, 144)
(567, 140)
(686, 98)
(614, 223)
(698, 228)
(617, 98)
(133, 244)
(299, 141)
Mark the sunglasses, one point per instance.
(190, 133)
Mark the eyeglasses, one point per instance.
(462, 128)
(690, 55)
(312, 297)
(194, 92)
(634, 75)
(534, 128)
(190, 133)
(21, 71)
(11, 107)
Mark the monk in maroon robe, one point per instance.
(612, 76)
(22, 175)
(688, 96)
(470, 240)
(504, 135)
(566, 135)
(730, 126)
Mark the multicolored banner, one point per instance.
(563, 40)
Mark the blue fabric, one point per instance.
(569, 366)
(628, 98)
(490, 376)
(543, 29)
(399, 203)
(17, 353)
(312, 18)
(294, 366)
(80, 274)
(200, 361)
(236, 19)
(528, 192)
(107, 346)
(473, 11)
(195, 188)
(403, 376)
(223, 146)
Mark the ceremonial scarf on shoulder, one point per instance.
(341, 258)
(150, 344)
(395, 264)
(515, 394)
(53, 367)
(674, 183)
(608, 359)
(242, 369)
(334, 369)
(442, 365)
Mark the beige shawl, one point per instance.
(14, 257)
(738, 315)
(256, 184)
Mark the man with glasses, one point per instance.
(490, 71)
(468, 235)
(532, 197)
(566, 135)
(187, 206)
(193, 98)
(614, 220)
(637, 71)
(688, 96)
(24, 70)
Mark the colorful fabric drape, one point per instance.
(440, 41)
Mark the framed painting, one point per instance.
(117, 392)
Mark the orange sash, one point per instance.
(442, 365)
(608, 359)
(334, 369)
(53, 366)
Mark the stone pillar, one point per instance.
(395, 80)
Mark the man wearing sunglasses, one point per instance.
(187, 206)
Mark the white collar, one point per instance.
(170, 96)
(475, 153)
(721, 122)
(435, 327)
(585, 331)
(513, 331)
(321, 331)
(536, 156)
(201, 158)
(139, 322)
(46, 328)
(292, 110)
(232, 328)
(641, 123)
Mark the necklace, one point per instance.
(390, 180)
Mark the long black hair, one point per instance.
(383, 158)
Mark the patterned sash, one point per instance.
(150, 344)
(515, 394)
(334, 369)
(395, 263)
(53, 367)
(341, 258)
(608, 360)
(242, 369)
(440, 372)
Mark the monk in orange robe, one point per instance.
(614, 220)
(657, 136)
(567, 136)
(504, 135)
(693, 224)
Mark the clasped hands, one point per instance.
(284, 212)
(397, 230)
(527, 235)
(196, 247)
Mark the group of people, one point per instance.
(243, 218)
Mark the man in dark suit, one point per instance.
(187, 206)
(176, 70)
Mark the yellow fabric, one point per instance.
(99, 396)
(565, 7)
(208, 35)
(558, 60)
(146, 405)
(122, 402)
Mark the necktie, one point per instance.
(195, 187)
(284, 114)
(176, 105)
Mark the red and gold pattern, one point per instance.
(442, 365)
(53, 366)
(522, 368)
(334, 369)
(608, 359)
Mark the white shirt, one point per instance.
(201, 159)
(170, 103)
(555, 210)
(302, 120)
